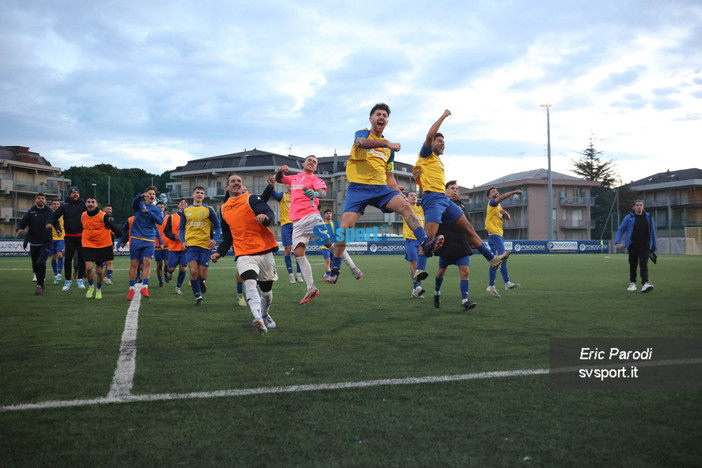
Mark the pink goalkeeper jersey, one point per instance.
(300, 205)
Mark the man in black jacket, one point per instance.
(455, 251)
(39, 238)
(71, 211)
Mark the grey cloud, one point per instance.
(618, 80)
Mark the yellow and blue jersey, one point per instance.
(196, 223)
(368, 166)
(493, 218)
(54, 233)
(331, 229)
(406, 231)
(432, 177)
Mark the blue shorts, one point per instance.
(176, 257)
(359, 196)
(199, 255)
(161, 255)
(411, 250)
(497, 244)
(326, 253)
(57, 247)
(139, 249)
(438, 208)
(286, 233)
(458, 261)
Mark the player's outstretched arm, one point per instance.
(434, 129)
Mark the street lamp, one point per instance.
(94, 191)
(549, 197)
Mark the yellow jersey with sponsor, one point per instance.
(368, 166)
(55, 235)
(432, 177)
(406, 231)
(248, 236)
(284, 215)
(197, 225)
(331, 230)
(493, 219)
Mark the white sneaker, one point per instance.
(268, 320)
(178, 291)
(259, 325)
(510, 285)
(108, 281)
(81, 284)
(34, 278)
(647, 287)
(292, 278)
(66, 286)
(300, 279)
(632, 287)
(493, 291)
(418, 292)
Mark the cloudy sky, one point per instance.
(153, 84)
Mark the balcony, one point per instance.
(10, 185)
(577, 201)
(576, 224)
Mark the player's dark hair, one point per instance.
(183, 199)
(160, 203)
(106, 205)
(91, 198)
(438, 134)
(150, 187)
(450, 183)
(488, 191)
(327, 211)
(381, 106)
(40, 194)
(198, 187)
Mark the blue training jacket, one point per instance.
(628, 227)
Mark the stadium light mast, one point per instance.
(94, 190)
(549, 196)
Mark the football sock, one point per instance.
(288, 263)
(54, 263)
(109, 274)
(492, 275)
(146, 282)
(266, 301)
(437, 284)
(464, 290)
(421, 262)
(485, 251)
(420, 234)
(253, 298)
(239, 288)
(59, 265)
(195, 286)
(306, 268)
(336, 263)
(181, 278)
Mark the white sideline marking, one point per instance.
(123, 379)
(128, 398)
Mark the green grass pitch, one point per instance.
(62, 346)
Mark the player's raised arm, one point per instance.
(434, 129)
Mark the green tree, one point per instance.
(591, 167)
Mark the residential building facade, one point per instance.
(23, 174)
(571, 204)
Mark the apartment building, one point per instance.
(23, 174)
(571, 204)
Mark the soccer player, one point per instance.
(413, 252)
(196, 225)
(370, 172)
(438, 208)
(286, 226)
(493, 225)
(107, 208)
(455, 251)
(161, 248)
(98, 228)
(640, 242)
(71, 211)
(39, 237)
(176, 251)
(143, 233)
(57, 245)
(331, 229)
(245, 221)
(305, 190)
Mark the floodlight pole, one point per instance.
(549, 196)
(94, 190)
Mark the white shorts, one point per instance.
(303, 229)
(263, 265)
